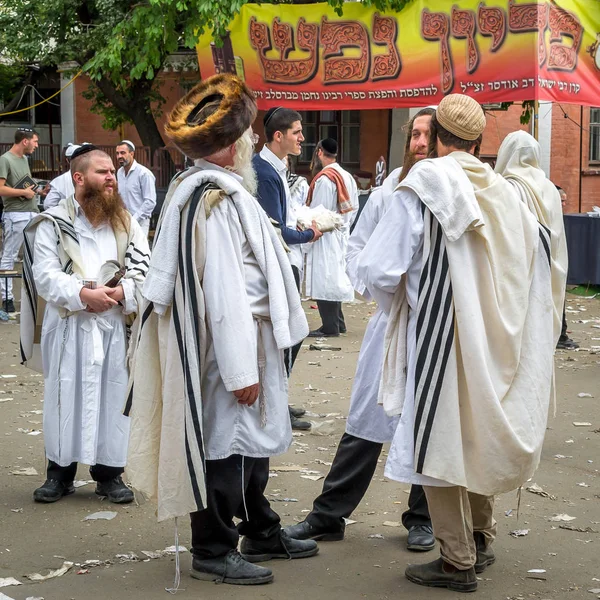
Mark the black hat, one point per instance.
(269, 114)
(330, 146)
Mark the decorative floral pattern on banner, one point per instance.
(306, 56)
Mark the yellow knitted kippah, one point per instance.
(462, 116)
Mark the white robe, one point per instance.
(326, 277)
(397, 250)
(84, 355)
(238, 325)
(366, 418)
(61, 187)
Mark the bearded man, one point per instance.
(81, 334)
(209, 398)
(462, 268)
(368, 427)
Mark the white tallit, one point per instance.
(166, 452)
(484, 331)
(519, 162)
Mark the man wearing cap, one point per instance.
(61, 187)
(209, 391)
(326, 281)
(137, 185)
(367, 426)
(20, 206)
(462, 268)
(283, 130)
(74, 327)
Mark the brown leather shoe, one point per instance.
(442, 574)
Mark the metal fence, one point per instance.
(47, 162)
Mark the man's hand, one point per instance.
(116, 293)
(97, 300)
(247, 395)
(28, 193)
(316, 231)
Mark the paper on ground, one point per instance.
(6, 581)
(52, 574)
(105, 515)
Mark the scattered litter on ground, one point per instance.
(173, 549)
(80, 483)
(153, 554)
(5, 399)
(349, 521)
(27, 471)
(392, 524)
(324, 348)
(16, 510)
(582, 424)
(105, 515)
(6, 581)
(561, 517)
(376, 536)
(508, 513)
(519, 532)
(52, 574)
(312, 477)
(322, 428)
(534, 488)
(584, 395)
(579, 529)
(124, 558)
(582, 484)
(287, 468)
(5, 597)
(536, 571)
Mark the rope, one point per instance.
(14, 112)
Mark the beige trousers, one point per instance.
(455, 515)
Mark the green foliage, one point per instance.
(11, 77)
(528, 108)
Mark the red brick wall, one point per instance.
(570, 158)
(499, 124)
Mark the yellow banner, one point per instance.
(306, 56)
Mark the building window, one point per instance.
(595, 135)
(342, 126)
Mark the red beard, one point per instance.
(101, 206)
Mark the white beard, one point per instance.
(242, 163)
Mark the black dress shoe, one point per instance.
(9, 306)
(442, 574)
(231, 568)
(567, 344)
(278, 546)
(420, 538)
(53, 490)
(296, 412)
(319, 333)
(298, 425)
(306, 531)
(485, 556)
(115, 490)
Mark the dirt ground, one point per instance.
(36, 538)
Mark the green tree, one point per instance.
(122, 45)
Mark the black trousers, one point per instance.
(99, 473)
(290, 354)
(347, 482)
(332, 317)
(564, 336)
(235, 487)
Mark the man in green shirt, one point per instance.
(19, 203)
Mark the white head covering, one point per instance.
(519, 162)
(70, 149)
(129, 143)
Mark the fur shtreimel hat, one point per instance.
(462, 116)
(212, 116)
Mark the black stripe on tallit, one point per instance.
(436, 393)
(142, 271)
(145, 316)
(67, 228)
(436, 315)
(432, 264)
(29, 283)
(545, 242)
(182, 356)
(192, 293)
(137, 262)
(68, 266)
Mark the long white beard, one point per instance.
(242, 162)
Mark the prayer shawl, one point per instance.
(484, 337)
(344, 203)
(166, 456)
(33, 306)
(519, 162)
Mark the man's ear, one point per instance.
(78, 178)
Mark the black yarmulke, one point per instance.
(329, 145)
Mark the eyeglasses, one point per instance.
(255, 137)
